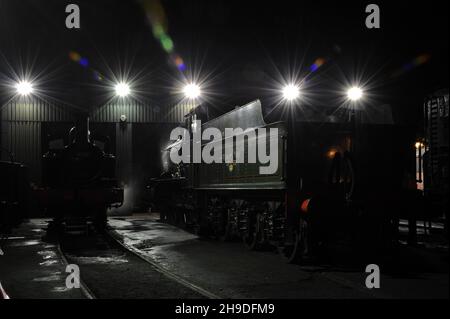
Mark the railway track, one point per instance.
(322, 272)
(111, 269)
(113, 235)
(84, 288)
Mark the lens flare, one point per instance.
(354, 93)
(317, 64)
(158, 19)
(291, 92)
(74, 56)
(412, 64)
(192, 91)
(84, 62)
(122, 89)
(24, 88)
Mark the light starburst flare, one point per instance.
(354, 93)
(24, 88)
(291, 92)
(192, 91)
(122, 89)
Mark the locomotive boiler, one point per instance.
(334, 179)
(79, 181)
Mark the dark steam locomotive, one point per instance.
(433, 154)
(334, 179)
(79, 181)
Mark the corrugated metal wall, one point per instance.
(35, 110)
(21, 130)
(137, 112)
(124, 152)
(21, 127)
(23, 140)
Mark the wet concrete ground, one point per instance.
(31, 268)
(112, 272)
(231, 271)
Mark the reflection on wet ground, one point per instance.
(235, 272)
(32, 268)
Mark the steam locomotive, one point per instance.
(334, 180)
(79, 181)
(433, 153)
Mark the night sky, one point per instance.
(242, 50)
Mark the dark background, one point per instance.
(244, 49)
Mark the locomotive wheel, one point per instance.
(163, 214)
(342, 175)
(180, 217)
(227, 233)
(299, 249)
(170, 215)
(185, 219)
(252, 239)
(218, 225)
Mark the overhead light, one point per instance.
(354, 93)
(122, 89)
(291, 92)
(192, 91)
(24, 88)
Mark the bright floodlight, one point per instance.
(24, 88)
(192, 91)
(122, 89)
(354, 93)
(291, 92)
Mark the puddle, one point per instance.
(48, 278)
(100, 260)
(48, 263)
(47, 254)
(25, 243)
(60, 289)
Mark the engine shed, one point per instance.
(30, 125)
